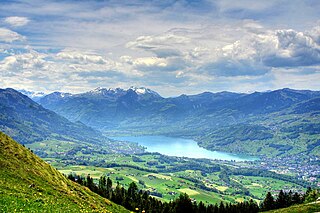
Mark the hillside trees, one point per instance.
(138, 200)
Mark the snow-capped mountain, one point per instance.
(105, 92)
(33, 95)
(109, 103)
(143, 91)
(116, 93)
(54, 97)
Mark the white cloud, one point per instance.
(165, 45)
(315, 33)
(150, 62)
(9, 36)
(81, 57)
(154, 64)
(255, 52)
(23, 63)
(293, 48)
(16, 21)
(214, 45)
(150, 42)
(46, 72)
(261, 50)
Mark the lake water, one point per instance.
(181, 147)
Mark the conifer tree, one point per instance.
(296, 199)
(89, 183)
(102, 187)
(281, 200)
(222, 208)
(268, 203)
(183, 204)
(201, 207)
(109, 188)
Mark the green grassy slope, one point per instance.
(28, 184)
(305, 208)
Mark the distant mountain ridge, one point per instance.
(118, 102)
(33, 95)
(113, 108)
(222, 120)
(27, 121)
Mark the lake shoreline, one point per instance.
(181, 147)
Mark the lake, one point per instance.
(181, 147)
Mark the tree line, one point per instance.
(286, 199)
(141, 201)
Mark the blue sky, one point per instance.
(170, 46)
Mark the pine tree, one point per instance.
(289, 198)
(102, 187)
(202, 208)
(90, 184)
(71, 177)
(210, 209)
(133, 190)
(216, 208)
(222, 208)
(253, 207)
(109, 188)
(268, 203)
(281, 200)
(118, 196)
(296, 199)
(183, 204)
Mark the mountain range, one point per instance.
(27, 121)
(224, 120)
(115, 108)
(283, 121)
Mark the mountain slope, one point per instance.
(305, 208)
(133, 108)
(28, 184)
(35, 96)
(118, 108)
(102, 108)
(26, 121)
(268, 102)
(276, 122)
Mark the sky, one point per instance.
(170, 46)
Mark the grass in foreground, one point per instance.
(28, 184)
(305, 208)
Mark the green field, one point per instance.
(168, 186)
(166, 177)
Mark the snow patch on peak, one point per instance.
(65, 95)
(61, 94)
(97, 90)
(139, 90)
(105, 92)
(33, 95)
(101, 90)
(117, 92)
(143, 91)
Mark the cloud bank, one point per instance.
(16, 21)
(171, 46)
